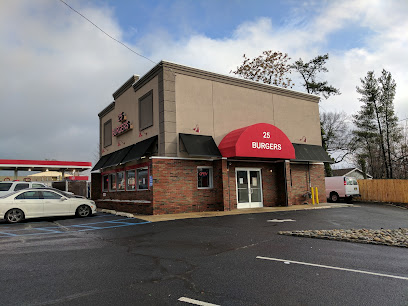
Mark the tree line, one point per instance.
(376, 143)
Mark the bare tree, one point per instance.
(270, 68)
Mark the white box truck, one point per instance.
(341, 187)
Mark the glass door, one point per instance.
(249, 188)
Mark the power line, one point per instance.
(118, 41)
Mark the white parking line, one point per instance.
(195, 302)
(331, 267)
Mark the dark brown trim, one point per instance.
(107, 109)
(148, 77)
(125, 86)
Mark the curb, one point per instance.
(114, 212)
(173, 217)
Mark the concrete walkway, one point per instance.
(169, 217)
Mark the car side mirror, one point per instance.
(63, 199)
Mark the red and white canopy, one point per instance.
(260, 140)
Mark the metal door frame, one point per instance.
(248, 169)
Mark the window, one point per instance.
(21, 186)
(204, 177)
(48, 195)
(5, 186)
(142, 179)
(146, 111)
(351, 181)
(121, 180)
(38, 185)
(112, 182)
(131, 181)
(29, 195)
(107, 133)
(105, 183)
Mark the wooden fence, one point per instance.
(394, 191)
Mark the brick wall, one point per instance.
(298, 184)
(317, 178)
(123, 206)
(96, 186)
(272, 176)
(175, 187)
(123, 200)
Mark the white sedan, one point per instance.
(43, 202)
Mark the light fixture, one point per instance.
(29, 169)
(46, 169)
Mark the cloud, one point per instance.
(383, 46)
(59, 71)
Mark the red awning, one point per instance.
(260, 140)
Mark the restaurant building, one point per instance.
(180, 139)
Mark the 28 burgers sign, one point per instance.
(260, 140)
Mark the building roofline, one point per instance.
(107, 109)
(238, 81)
(125, 86)
(137, 82)
(195, 72)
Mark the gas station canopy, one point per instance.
(43, 165)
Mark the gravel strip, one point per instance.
(391, 237)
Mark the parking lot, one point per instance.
(229, 260)
(64, 225)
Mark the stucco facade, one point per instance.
(203, 105)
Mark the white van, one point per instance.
(341, 187)
(9, 187)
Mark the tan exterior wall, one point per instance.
(128, 102)
(217, 109)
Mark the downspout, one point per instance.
(310, 181)
(286, 183)
(229, 189)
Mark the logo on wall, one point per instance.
(124, 127)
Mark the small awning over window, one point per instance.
(200, 145)
(139, 149)
(117, 157)
(101, 162)
(311, 153)
(125, 155)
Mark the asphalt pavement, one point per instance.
(223, 260)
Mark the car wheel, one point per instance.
(83, 211)
(334, 197)
(14, 215)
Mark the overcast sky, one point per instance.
(58, 71)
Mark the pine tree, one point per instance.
(392, 134)
(377, 132)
